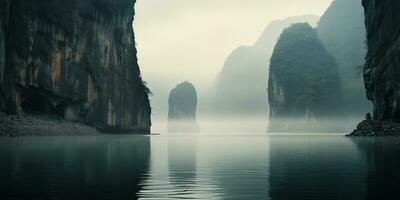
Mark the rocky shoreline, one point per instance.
(41, 125)
(375, 128)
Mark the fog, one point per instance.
(213, 126)
(256, 125)
(180, 40)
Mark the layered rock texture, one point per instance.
(239, 89)
(382, 68)
(75, 59)
(342, 31)
(304, 86)
(182, 108)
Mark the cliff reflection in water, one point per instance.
(200, 166)
(174, 172)
(315, 167)
(188, 166)
(73, 168)
(383, 163)
(332, 167)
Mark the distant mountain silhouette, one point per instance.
(342, 31)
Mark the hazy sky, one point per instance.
(181, 40)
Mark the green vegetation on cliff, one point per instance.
(304, 85)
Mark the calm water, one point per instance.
(240, 166)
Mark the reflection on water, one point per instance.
(240, 166)
(73, 167)
(315, 167)
(383, 164)
(173, 171)
(237, 165)
(208, 167)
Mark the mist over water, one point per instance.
(212, 45)
(250, 100)
(253, 125)
(226, 125)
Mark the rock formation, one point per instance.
(75, 59)
(239, 89)
(304, 86)
(382, 68)
(182, 108)
(342, 31)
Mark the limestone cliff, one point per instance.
(182, 108)
(4, 18)
(382, 69)
(342, 31)
(76, 59)
(304, 85)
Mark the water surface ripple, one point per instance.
(204, 166)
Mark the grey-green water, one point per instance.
(240, 166)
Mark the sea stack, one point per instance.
(182, 108)
(304, 86)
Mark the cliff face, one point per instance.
(304, 84)
(382, 68)
(342, 31)
(182, 108)
(4, 14)
(75, 59)
(236, 94)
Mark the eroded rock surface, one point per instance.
(376, 128)
(382, 68)
(76, 59)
